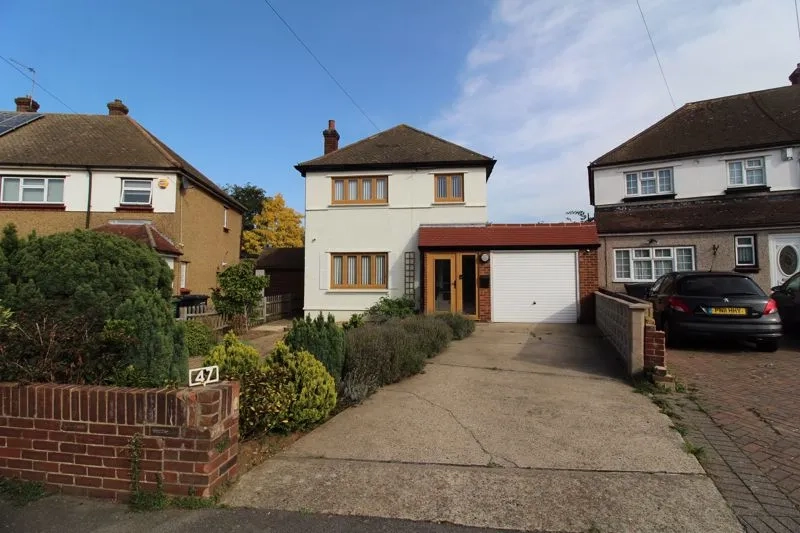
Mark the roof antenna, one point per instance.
(29, 69)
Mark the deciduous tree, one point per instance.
(276, 226)
(252, 197)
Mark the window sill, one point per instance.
(361, 204)
(445, 202)
(32, 206)
(135, 208)
(355, 291)
(744, 189)
(646, 197)
(747, 269)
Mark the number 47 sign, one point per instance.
(203, 376)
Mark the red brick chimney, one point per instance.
(331, 137)
(117, 108)
(26, 104)
(794, 77)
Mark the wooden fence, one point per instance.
(271, 308)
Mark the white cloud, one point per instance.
(549, 87)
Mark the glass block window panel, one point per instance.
(366, 190)
(684, 259)
(648, 182)
(665, 180)
(11, 188)
(352, 191)
(631, 184)
(366, 270)
(736, 173)
(622, 264)
(380, 269)
(338, 190)
(642, 270)
(352, 270)
(380, 189)
(55, 190)
(136, 191)
(338, 274)
(457, 191)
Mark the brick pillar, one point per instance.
(484, 294)
(588, 283)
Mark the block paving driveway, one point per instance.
(748, 423)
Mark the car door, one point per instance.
(787, 297)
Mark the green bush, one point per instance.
(314, 388)
(199, 338)
(355, 321)
(87, 306)
(430, 335)
(234, 357)
(239, 291)
(266, 395)
(323, 338)
(387, 308)
(461, 326)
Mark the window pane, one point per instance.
(11, 190)
(352, 193)
(641, 253)
(744, 241)
(663, 252)
(337, 267)
(648, 182)
(684, 259)
(136, 184)
(665, 180)
(351, 270)
(366, 189)
(380, 189)
(32, 194)
(755, 163)
(622, 264)
(735, 173)
(338, 190)
(662, 266)
(55, 190)
(745, 255)
(642, 270)
(366, 269)
(441, 186)
(136, 197)
(755, 176)
(457, 192)
(380, 270)
(631, 184)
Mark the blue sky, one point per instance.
(545, 86)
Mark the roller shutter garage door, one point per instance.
(534, 286)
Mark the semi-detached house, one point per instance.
(60, 172)
(404, 213)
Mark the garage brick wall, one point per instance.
(484, 295)
(588, 283)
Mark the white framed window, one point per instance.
(649, 182)
(649, 264)
(34, 190)
(184, 274)
(136, 191)
(225, 218)
(745, 250)
(747, 172)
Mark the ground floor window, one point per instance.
(745, 250)
(359, 271)
(648, 264)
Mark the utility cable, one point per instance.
(39, 85)
(655, 52)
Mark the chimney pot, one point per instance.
(331, 137)
(117, 107)
(26, 104)
(794, 77)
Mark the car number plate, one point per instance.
(728, 311)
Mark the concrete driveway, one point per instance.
(518, 427)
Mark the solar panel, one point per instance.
(11, 121)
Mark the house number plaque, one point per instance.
(203, 376)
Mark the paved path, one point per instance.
(749, 426)
(514, 428)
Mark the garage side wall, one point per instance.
(588, 283)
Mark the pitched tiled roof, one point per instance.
(726, 212)
(145, 234)
(509, 235)
(739, 122)
(109, 141)
(401, 146)
(281, 258)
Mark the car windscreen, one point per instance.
(719, 286)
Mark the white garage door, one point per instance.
(534, 287)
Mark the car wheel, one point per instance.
(767, 346)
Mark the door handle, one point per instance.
(455, 283)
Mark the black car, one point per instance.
(787, 296)
(715, 304)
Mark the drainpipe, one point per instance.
(89, 199)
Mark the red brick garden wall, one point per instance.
(654, 350)
(78, 438)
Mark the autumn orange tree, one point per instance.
(276, 226)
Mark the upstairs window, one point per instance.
(746, 172)
(649, 182)
(136, 192)
(449, 188)
(225, 218)
(362, 190)
(34, 190)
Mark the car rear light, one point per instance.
(771, 307)
(676, 304)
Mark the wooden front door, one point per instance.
(451, 283)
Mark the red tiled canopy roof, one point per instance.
(509, 235)
(145, 234)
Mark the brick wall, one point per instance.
(77, 438)
(588, 283)
(484, 295)
(622, 321)
(654, 350)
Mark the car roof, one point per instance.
(698, 273)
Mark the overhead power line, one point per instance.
(322, 66)
(36, 83)
(655, 52)
(797, 18)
